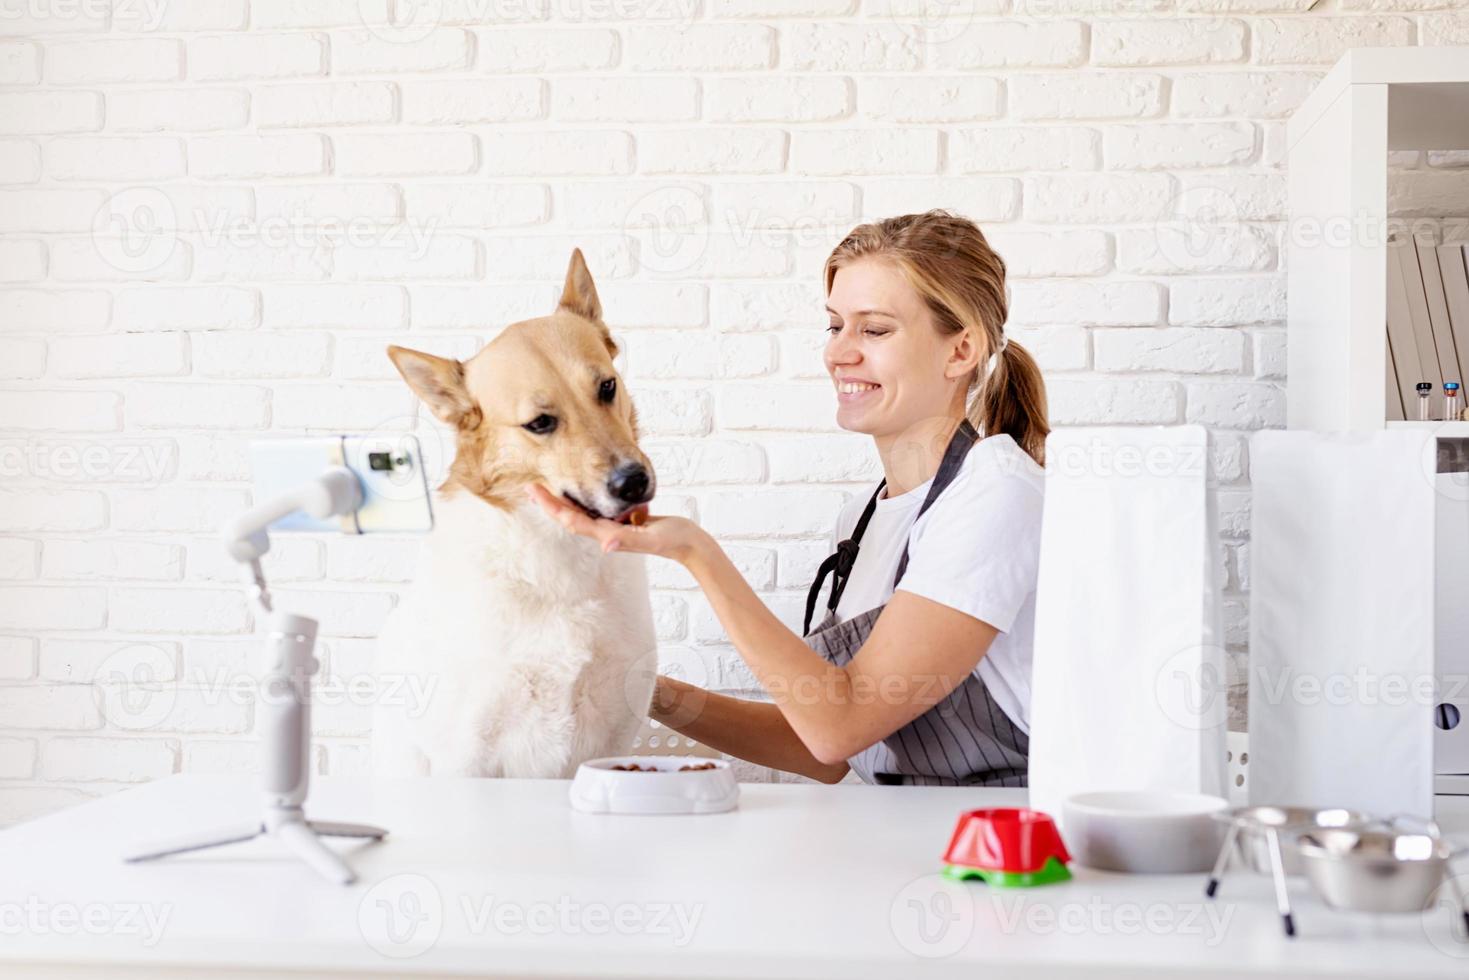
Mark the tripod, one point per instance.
(285, 700)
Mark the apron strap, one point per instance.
(963, 439)
(845, 557)
(841, 563)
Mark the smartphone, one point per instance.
(389, 469)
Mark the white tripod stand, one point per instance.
(285, 695)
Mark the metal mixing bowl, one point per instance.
(1375, 870)
(1252, 846)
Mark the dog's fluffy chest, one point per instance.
(537, 650)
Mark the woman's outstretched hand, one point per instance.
(675, 538)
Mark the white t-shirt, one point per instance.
(976, 549)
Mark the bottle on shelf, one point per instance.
(1425, 395)
(1453, 407)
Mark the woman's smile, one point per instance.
(855, 390)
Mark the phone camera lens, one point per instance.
(379, 461)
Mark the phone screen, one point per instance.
(389, 469)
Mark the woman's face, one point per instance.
(885, 355)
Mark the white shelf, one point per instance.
(1373, 100)
(1428, 99)
(1444, 430)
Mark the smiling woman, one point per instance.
(920, 671)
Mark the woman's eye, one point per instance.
(542, 425)
(834, 328)
(608, 391)
(875, 333)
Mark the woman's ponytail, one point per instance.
(1012, 400)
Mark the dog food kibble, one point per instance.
(639, 518)
(634, 767)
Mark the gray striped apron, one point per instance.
(964, 740)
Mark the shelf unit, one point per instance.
(1374, 100)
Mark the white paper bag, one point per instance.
(1342, 620)
(1129, 690)
(1451, 613)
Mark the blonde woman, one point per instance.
(919, 670)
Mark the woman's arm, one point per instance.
(918, 651)
(755, 731)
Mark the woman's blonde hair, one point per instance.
(962, 279)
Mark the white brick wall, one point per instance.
(214, 216)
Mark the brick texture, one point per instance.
(212, 225)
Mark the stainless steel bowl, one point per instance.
(1375, 870)
(1252, 846)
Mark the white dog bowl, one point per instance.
(1144, 832)
(599, 788)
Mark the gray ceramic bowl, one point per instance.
(1143, 831)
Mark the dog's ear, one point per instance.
(439, 381)
(580, 293)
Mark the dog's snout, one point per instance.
(630, 483)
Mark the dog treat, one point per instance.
(639, 518)
(706, 765)
(634, 767)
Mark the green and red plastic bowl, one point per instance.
(1009, 847)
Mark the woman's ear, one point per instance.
(963, 355)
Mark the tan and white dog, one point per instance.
(535, 645)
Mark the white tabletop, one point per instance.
(502, 878)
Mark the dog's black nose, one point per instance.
(630, 483)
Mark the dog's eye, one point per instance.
(542, 425)
(608, 391)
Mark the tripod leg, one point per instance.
(335, 828)
(1277, 868)
(308, 847)
(195, 842)
(1222, 861)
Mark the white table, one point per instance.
(800, 881)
